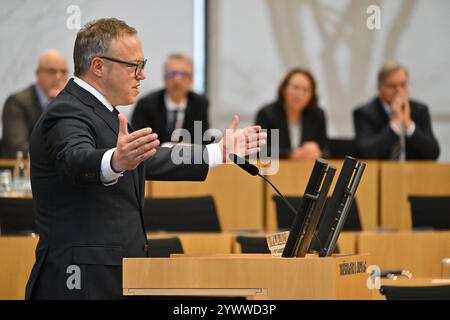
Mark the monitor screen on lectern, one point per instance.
(310, 210)
(338, 207)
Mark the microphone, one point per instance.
(254, 171)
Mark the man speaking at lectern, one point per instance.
(88, 169)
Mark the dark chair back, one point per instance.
(416, 293)
(339, 148)
(430, 212)
(285, 217)
(17, 216)
(163, 248)
(193, 214)
(253, 244)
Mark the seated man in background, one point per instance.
(175, 106)
(392, 126)
(22, 110)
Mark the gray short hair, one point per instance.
(388, 68)
(178, 56)
(94, 39)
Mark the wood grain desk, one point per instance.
(16, 195)
(238, 196)
(420, 253)
(200, 243)
(16, 262)
(399, 180)
(9, 163)
(257, 276)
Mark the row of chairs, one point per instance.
(160, 248)
(196, 214)
(199, 214)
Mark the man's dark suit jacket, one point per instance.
(20, 113)
(82, 222)
(151, 112)
(375, 137)
(313, 127)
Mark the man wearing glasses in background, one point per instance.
(392, 126)
(175, 106)
(88, 169)
(22, 110)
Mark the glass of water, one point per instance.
(5, 181)
(277, 242)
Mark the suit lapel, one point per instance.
(141, 182)
(36, 105)
(304, 129)
(88, 99)
(111, 120)
(136, 177)
(284, 131)
(188, 122)
(162, 115)
(381, 112)
(308, 127)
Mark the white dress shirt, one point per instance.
(44, 100)
(295, 134)
(107, 175)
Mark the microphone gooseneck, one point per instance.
(254, 171)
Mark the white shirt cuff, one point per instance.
(214, 155)
(411, 129)
(107, 175)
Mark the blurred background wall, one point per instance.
(28, 27)
(255, 42)
(251, 44)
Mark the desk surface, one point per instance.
(16, 195)
(16, 262)
(399, 180)
(420, 253)
(262, 275)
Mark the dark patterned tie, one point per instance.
(116, 112)
(398, 149)
(172, 123)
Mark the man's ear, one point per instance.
(97, 67)
(379, 88)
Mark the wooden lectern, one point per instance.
(255, 276)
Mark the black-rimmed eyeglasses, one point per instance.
(138, 65)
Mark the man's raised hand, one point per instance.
(133, 148)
